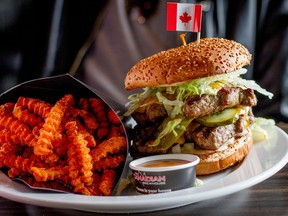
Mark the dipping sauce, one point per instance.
(164, 163)
(164, 173)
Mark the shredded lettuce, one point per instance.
(206, 85)
(170, 131)
(173, 108)
(137, 99)
(258, 132)
(264, 121)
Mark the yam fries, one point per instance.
(77, 145)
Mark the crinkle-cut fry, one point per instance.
(114, 131)
(90, 121)
(71, 129)
(79, 159)
(60, 143)
(10, 162)
(114, 145)
(112, 116)
(37, 106)
(73, 112)
(84, 159)
(102, 132)
(23, 164)
(84, 104)
(79, 186)
(23, 133)
(7, 137)
(87, 136)
(91, 142)
(94, 188)
(7, 150)
(14, 172)
(49, 174)
(74, 168)
(61, 146)
(98, 107)
(109, 162)
(6, 108)
(26, 117)
(108, 181)
(44, 146)
(36, 130)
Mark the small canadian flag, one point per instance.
(184, 17)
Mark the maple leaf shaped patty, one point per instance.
(185, 18)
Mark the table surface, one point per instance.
(269, 197)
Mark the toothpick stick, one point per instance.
(182, 36)
(198, 37)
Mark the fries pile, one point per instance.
(80, 145)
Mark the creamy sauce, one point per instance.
(164, 163)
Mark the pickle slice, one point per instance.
(224, 117)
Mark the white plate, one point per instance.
(264, 160)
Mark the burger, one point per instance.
(194, 100)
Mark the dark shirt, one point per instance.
(99, 41)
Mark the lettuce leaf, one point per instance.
(170, 131)
(258, 132)
(173, 108)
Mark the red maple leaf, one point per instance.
(185, 18)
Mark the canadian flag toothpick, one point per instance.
(184, 17)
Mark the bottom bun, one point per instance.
(220, 160)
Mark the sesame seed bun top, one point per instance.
(195, 60)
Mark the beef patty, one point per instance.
(204, 105)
